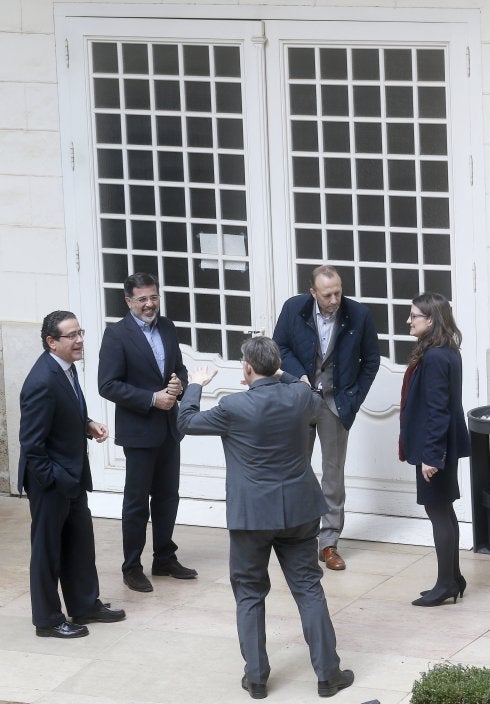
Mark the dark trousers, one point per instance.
(297, 551)
(151, 488)
(62, 549)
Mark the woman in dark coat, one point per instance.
(433, 433)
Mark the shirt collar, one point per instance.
(143, 325)
(63, 363)
(327, 318)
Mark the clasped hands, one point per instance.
(166, 398)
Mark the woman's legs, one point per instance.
(446, 540)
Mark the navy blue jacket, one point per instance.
(355, 357)
(129, 375)
(432, 425)
(53, 431)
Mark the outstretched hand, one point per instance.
(201, 375)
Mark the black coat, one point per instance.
(129, 376)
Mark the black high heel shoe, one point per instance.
(427, 600)
(462, 586)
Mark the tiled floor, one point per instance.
(179, 645)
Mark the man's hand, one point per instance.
(98, 431)
(165, 399)
(174, 387)
(305, 379)
(201, 375)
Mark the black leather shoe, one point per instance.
(256, 691)
(341, 680)
(136, 580)
(172, 568)
(62, 630)
(101, 614)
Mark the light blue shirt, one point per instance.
(155, 341)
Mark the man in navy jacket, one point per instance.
(330, 342)
(54, 470)
(141, 371)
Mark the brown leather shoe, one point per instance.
(332, 559)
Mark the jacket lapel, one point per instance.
(137, 336)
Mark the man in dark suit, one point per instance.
(330, 342)
(141, 371)
(273, 500)
(54, 469)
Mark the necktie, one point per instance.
(74, 376)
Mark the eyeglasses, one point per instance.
(412, 316)
(146, 299)
(73, 335)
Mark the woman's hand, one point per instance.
(428, 472)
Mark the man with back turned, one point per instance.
(273, 501)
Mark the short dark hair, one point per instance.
(50, 326)
(139, 280)
(262, 354)
(323, 270)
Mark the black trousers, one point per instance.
(151, 488)
(62, 550)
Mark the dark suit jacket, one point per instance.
(129, 375)
(53, 440)
(432, 425)
(270, 484)
(355, 356)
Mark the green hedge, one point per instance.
(452, 684)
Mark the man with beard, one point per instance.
(141, 371)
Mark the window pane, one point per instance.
(369, 174)
(401, 175)
(305, 172)
(209, 341)
(373, 283)
(372, 246)
(400, 138)
(302, 99)
(308, 244)
(170, 166)
(371, 210)
(340, 245)
(435, 212)
(399, 101)
(166, 59)
(111, 198)
(437, 249)
(365, 64)
(177, 306)
(108, 129)
(227, 61)
(113, 233)
(196, 60)
(106, 93)
(403, 211)
(233, 205)
(432, 102)
(144, 234)
(231, 169)
(439, 281)
(229, 97)
(333, 63)
(104, 57)
(380, 316)
(135, 58)
(115, 305)
(142, 200)
(140, 165)
(336, 137)
(304, 136)
(207, 308)
(167, 95)
(307, 207)
(137, 94)
(203, 204)
(175, 272)
(199, 132)
(339, 209)
(115, 267)
(174, 236)
(204, 275)
(398, 64)
(172, 201)
(368, 137)
(335, 100)
(238, 310)
(434, 176)
(230, 135)
(197, 96)
(404, 247)
(235, 340)
(337, 173)
(138, 129)
(433, 139)
(405, 283)
(367, 101)
(110, 164)
(301, 63)
(430, 65)
(201, 167)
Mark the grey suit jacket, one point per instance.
(270, 484)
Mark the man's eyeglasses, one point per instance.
(74, 335)
(146, 299)
(413, 316)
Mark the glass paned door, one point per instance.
(373, 183)
(369, 175)
(169, 158)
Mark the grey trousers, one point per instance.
(296, 550)
(333, 442)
